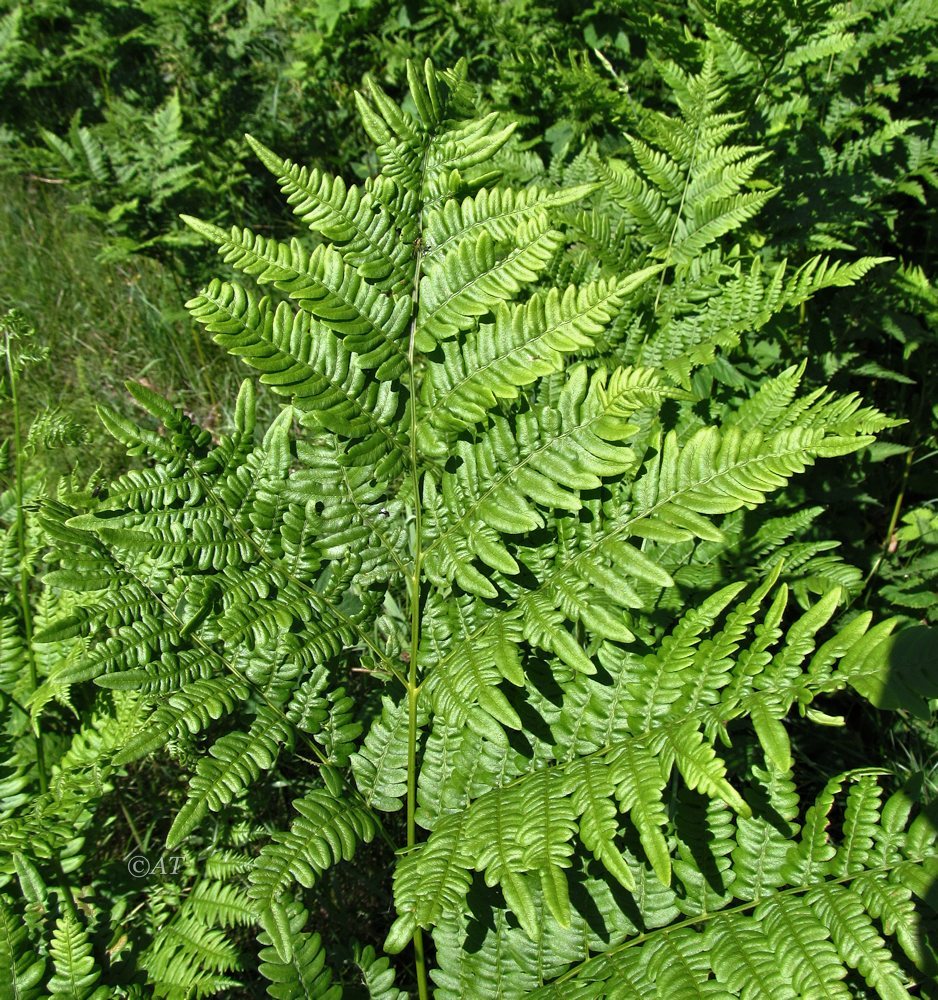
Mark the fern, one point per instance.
(75, 972)
(492, 490)
(24, 967)
(304, 973)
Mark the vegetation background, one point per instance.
(118, 116)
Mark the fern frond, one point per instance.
(551, 455)
(346, 215)
(688, 187)
(220, 904)
(186, 711)
(75, 968)
(24, 967)
(493, 565)
(298, 359)
(304, 973)
(235, 761)
(378, 976)
(525, 343)
(474, 275)
(380, 766)
(372, 324)
(327, 831)
(742, 304)
(496, 211)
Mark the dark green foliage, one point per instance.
(140, 105)
(510, 485)
(521, 652)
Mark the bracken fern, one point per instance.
(510, 449)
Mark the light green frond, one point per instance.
(670, 674)
(187, 711)
(891, 904)
(188, 957)
(745, 962)
(687, 187)
(764, 838)
(352, 218)
(304, 975)
(24, 967)
(430, 883)
(378, 976)
(593, 799)
(184, 436)
(220, 904)
(803, 948)
(812, 856)
(235, 762)
(860, 824)
(679, 966)
(525, 343)
(500, 959)
(743, 303)
(546, 832)
(396, 135)
(699, 766)
(552, 454)
(371, 323)
(76, 971)
(462, 681)
(300, 359)
(344, 517)
(716, 471)
(380, 766)
(476, 274)
(855, 937)
(326, 831)
(445, 106)
(496, 211)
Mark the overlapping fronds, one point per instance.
(505, 492)
(616, 742)
(686, 186)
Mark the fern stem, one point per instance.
(677, 220)
(26, 610)
(413, 693)
(893, 521)
(130, 823)
(413, 686)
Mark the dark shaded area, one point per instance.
(900, 673)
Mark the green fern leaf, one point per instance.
(327, 831)
(304, 973)
(236, 761)
(75, 968)
(25, 968)
(378, 976)
(857, 941)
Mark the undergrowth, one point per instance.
(552, 612)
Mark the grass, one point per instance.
(102, 322)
